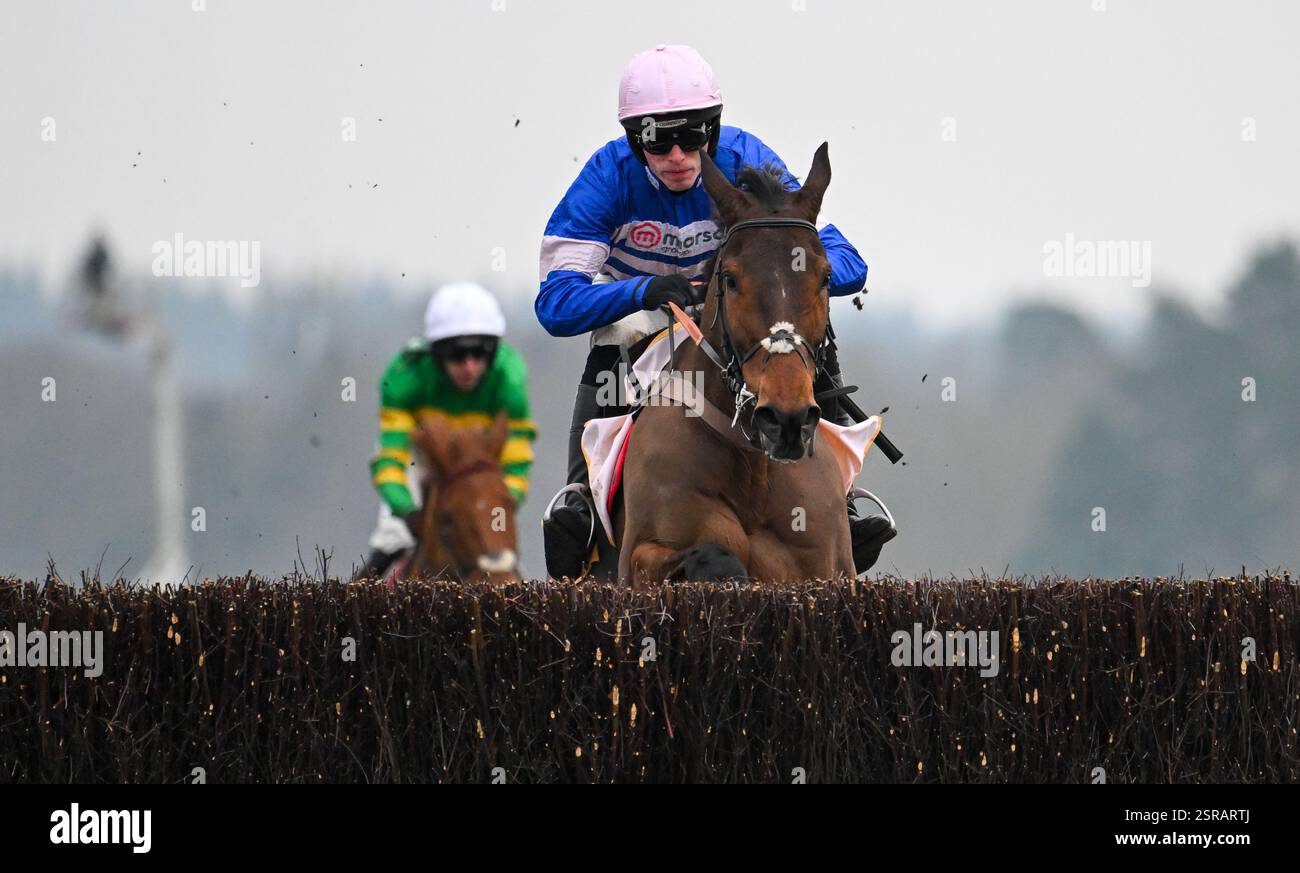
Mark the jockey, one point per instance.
(462, 372)
(632, 233)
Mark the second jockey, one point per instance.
(464, 373)
(632, 233)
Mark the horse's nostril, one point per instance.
(766, 420)
(774, 423)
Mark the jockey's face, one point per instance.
(677, 169)
(466, 373)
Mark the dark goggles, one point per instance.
(458, 350)
(658, 139)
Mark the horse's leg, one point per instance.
(647, 563)
(712, 544)
(709, 562)
(705, 562)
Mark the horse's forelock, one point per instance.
(766, 185)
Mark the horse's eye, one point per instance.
(826, 281)
(728, 282)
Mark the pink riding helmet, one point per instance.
(666, 78)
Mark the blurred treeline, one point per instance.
(1052, 417)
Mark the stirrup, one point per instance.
(584, 494)
(857, 493)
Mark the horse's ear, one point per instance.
(729, 199)
(814, 188)
(498, 433)
(434, 438)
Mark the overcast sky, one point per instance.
(1122, 124)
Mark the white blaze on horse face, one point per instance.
(782, 346)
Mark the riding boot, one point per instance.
(568, 529)
(377, 564)
(585, 408)
(868, 535)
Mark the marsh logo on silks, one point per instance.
(645, 235)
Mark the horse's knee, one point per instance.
(709, 562)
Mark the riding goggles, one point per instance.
(658, 137)
(460, 349)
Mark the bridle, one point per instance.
(731, 361)
(439, 488)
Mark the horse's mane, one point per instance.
(765, 184)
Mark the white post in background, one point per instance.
(168, 564)
(101, 309)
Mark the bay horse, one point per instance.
(746, 496)
(467, 517)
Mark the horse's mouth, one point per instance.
(787, 454)
(504, 561)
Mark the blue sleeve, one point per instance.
(570, 304)
(574, 248)
(848, 269)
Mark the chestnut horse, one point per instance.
(467, 518)
(745, 496)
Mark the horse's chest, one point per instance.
(799, 538)
(796, 505)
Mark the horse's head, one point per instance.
(769, 304)
(468, 522)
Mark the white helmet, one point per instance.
(463, 309)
